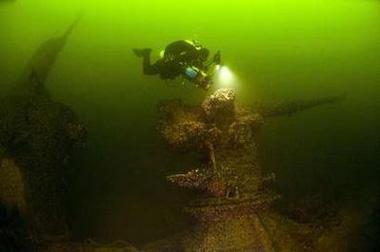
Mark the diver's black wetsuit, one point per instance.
(177, 56)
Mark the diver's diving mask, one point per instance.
(198, 77)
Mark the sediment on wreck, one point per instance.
(37, 136)
(233, 209)
(12, 187)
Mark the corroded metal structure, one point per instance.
(233, 194)
(37, 135)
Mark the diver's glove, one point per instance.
(217, 58)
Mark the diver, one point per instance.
(181, 58)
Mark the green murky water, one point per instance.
(278, 50)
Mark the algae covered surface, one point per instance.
(114, 144)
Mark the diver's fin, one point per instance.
(142, 52)
(40, 65)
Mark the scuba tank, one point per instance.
(201, 78)
(188, 58)
(198, 77)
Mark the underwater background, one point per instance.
(278, 50)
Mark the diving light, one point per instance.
(224, 76)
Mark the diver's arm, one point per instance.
(215, 60)
(289, 108)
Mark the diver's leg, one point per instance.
(148, 68)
